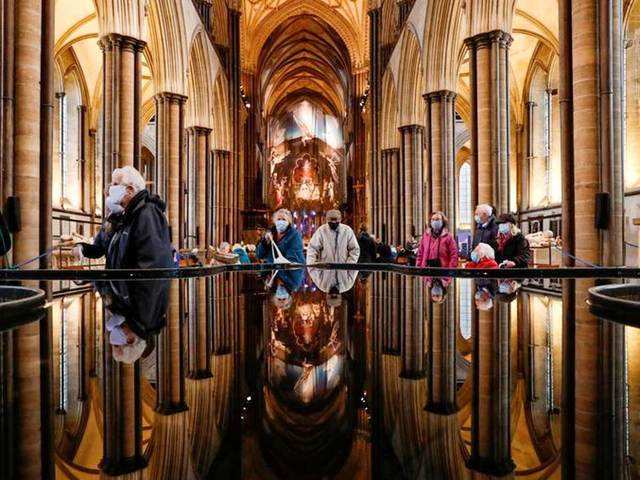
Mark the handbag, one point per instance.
(277, 255)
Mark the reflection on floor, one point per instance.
(283, 377)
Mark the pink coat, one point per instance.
(444, 247)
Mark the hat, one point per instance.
(506, 218)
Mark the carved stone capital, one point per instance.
(485, 39)
(171, 97)
(440, 96)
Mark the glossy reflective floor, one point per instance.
(303, 374)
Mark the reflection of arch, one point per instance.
(410, 81)
(389, 118)
(221, 136)
(294, 8)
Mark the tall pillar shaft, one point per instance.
(236, 172)
(489, 77)
(374, 109)
(440, 146)
(224, 205)
(591, 97)
(200, 163)
(412, 180)
(122, 80)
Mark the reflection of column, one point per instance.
(122, 414)
(412, 180)
(200, 334)
(441, 394)
(489, 82)
(223, 313)
(387, 310)
(412, 314)
(170, 357)
(591, 101)
(122, 81)
(440, 145)
(491, 416)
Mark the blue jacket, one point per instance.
(290, 246)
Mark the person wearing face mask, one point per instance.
(285, 236)
(486, 226)
(483, 256)
(437, 247)
(142, 238)
(333, 242)
(513, 248)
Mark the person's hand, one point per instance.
(77, 252)
(268, 236)
(508, 264)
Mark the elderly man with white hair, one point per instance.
(333, 242)
(140, 238)
(486, 226)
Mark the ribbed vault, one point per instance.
(304, 59)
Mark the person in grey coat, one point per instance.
(333, 242)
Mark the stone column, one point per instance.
(491, 412)
(234, 13)
(121, 414)
(170, 159)
(374, 107)
(440, 147)
(411, 181)
(591, 94)
(122, 81)
(489, 83)
(223, 203)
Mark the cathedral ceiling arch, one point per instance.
(203, 68)
(347, 17)
(304, 58)
(410, 80)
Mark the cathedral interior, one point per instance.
(387, 110)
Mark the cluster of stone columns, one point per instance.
(226, 212)
(122, 81)
(489, 83)
(591, 95)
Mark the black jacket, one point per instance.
(143, 239)
(515, 249)
(486, 234)
(368, 248)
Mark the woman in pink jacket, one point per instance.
(437, 247)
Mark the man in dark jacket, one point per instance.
(486, 227)
(368, 247)
(139, 233)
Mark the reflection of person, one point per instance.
(333, 242)
(513, 249)
(287, 239)
(483, 299)
(142, 238)
(438, 289)
(482, 256)
(486, 227)
(135, 312)
(507, 290)
(437, 246)
(338, 281)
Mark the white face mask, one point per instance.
(504, 228)
(116, 194)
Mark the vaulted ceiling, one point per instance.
(304, 59)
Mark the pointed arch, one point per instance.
(168, 45)
(389, 120)
(487, 15)
(443, 32)
(202, 70)
(126, 17)
(410, 82)
(221, 136)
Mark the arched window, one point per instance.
(543, 152)
(67, 169)
(464, 197)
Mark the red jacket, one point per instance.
(444, 248)
(484, 263)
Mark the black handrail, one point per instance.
(192, 272)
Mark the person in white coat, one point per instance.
(333, 242)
